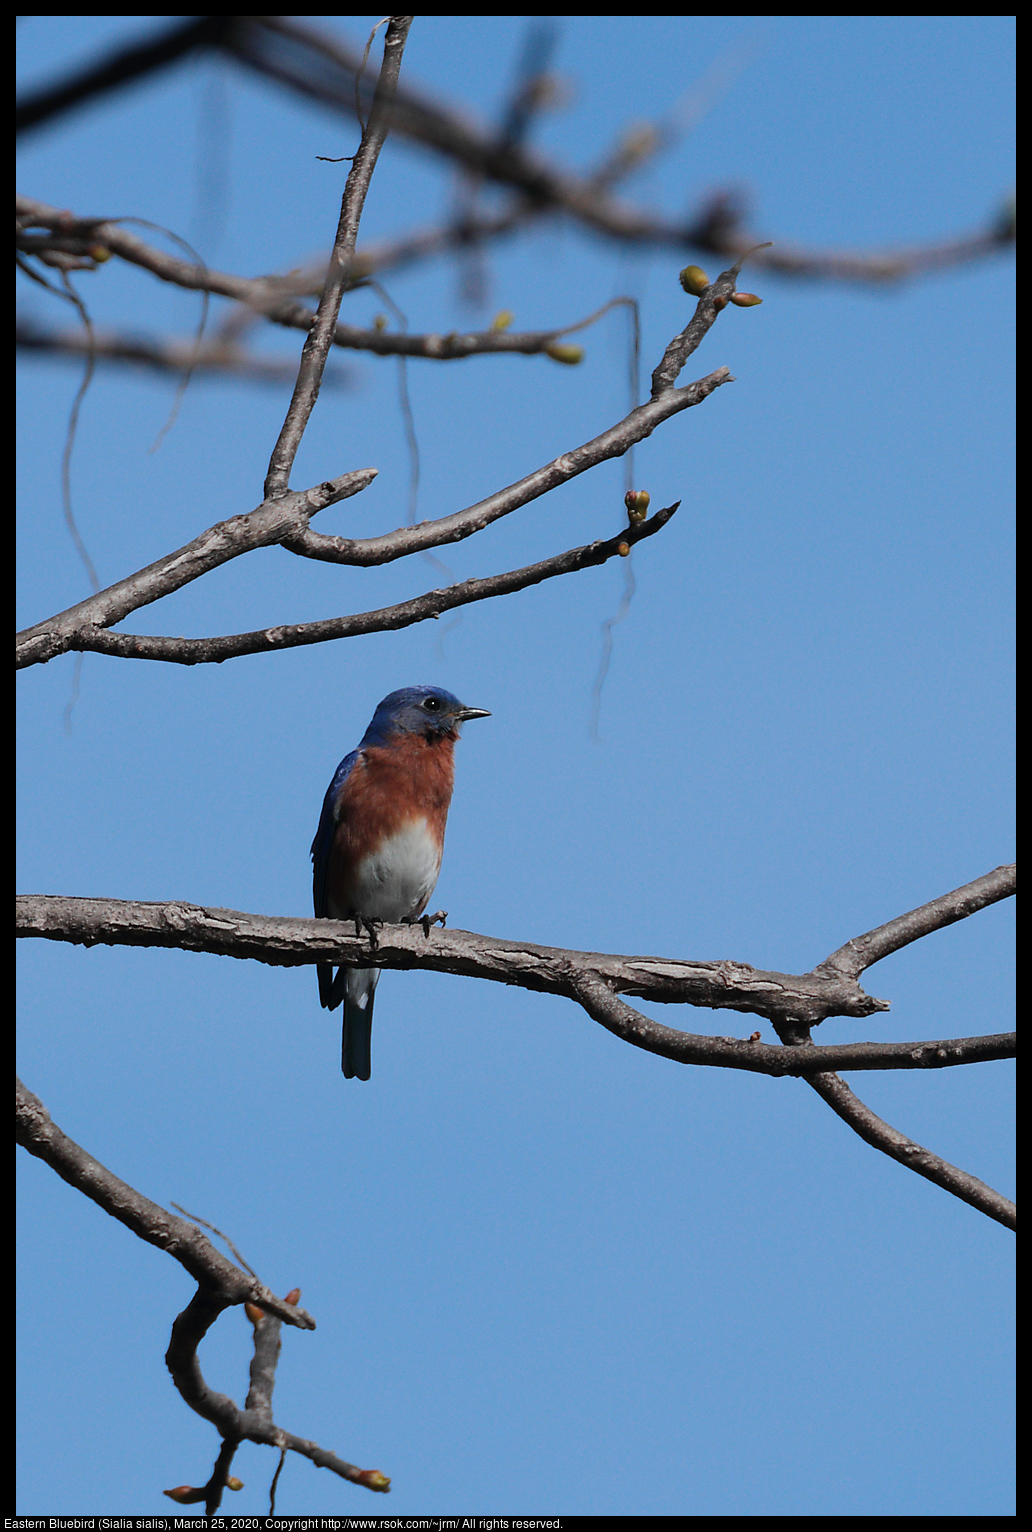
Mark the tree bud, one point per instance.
(745, 300)
(503, 319)
(571, 355)
(372, 1478)
(694, 281)
(637, 503)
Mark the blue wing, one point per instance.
(320, 861)
(324, 835)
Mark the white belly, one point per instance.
(396, 881)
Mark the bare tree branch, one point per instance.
(324, 68)
(897, 1146)
(274, 297)
(320, 337)
(207, 651)
(119, 67)
(592, 978)
(635, 427)
(220, 1286)
(863, 951)
(254, 1423)
(285, 520)
(595, 980)
(269, 523)
(166, 354)
(39, 1134)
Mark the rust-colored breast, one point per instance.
(388, 787)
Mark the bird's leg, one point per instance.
(426, 921)
(363, 923)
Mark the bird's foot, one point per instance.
(426, 921)
(363, 923)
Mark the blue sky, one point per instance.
(550, 1272)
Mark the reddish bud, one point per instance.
(254, 1313)
(745, 300)
(372, 1478)
(184, 1494)
(637, 503)
(293, 1296)
(623, 549)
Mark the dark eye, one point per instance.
(431, 704)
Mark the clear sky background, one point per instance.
(551, 1273)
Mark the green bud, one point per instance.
(637, 503)
(694, 281)
(571, 355)
(745, 300)
(503, 319)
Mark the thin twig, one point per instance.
(320, 337)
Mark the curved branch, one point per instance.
(862, 951)
(605, 1007)
(268, 524)
(208, 651)
(880, 1135)
(635, 427)
(84, 241)
(39, 1134)
(288, 942)
(221, 1285)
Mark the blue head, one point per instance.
(426, 710)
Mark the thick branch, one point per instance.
(269, 523)
(289, 942)
(37, 1132)
(880, 1135)
(618, 1017)
(862, 951)
(320, 337)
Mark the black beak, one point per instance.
(471, 712)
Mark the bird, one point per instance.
(377, 852)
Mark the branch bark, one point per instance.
(203, 651)
(595, 980)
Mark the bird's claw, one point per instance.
(426, 921)
(362, 923)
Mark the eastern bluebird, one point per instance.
(377, 851)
